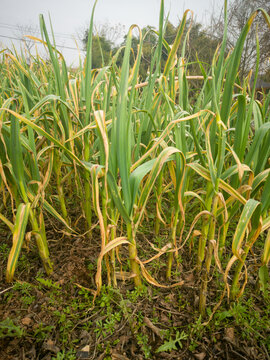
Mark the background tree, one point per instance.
(104, 38)
(200, 45)
(27, 30)
(239, 12)
(149, 44)
(111, 32)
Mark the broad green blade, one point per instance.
(7, 222)
(18, 238)
(60, 84)
(175, 45)
(164, 157)
(88, 69)
(114, 191)
(16, 157)
(254, 152)
(266, 251)
(123, 149)
(251, 212)
(265, 199)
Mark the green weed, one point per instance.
(9, 329)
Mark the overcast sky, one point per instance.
(70, 17)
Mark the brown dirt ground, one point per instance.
(54, 317)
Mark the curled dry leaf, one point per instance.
(26, 321)
(154, 328)
(116, 356)
(229, 335)
(200, 356)
(49, 345)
